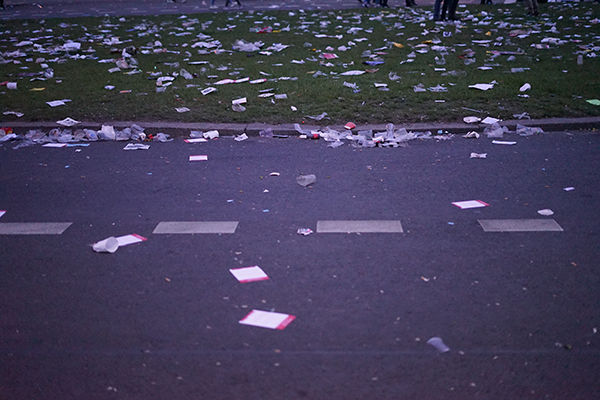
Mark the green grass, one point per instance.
(554, 93)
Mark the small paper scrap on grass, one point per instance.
(198, 158)
(464, 205)
(130, 239)
(267, 319)
(249, 274)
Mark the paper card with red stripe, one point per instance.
(198, 158)
(55, 145)
(470, 204)
(249, 274)
(267, 319)
(130, 239)
(196, 140)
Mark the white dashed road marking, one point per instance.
(359, 227)
(520, 225)
(196, 227)
(34, 228)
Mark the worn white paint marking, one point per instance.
(520, 225)
(34, 228)
(196, 227)
(359, 227)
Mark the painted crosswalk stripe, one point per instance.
(359, 227)
(34, 228)
(167, 227)
(520, 225)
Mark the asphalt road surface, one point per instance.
(159, 319)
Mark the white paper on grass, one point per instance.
(465, 205)
(353, 72)
(242, 100)
(208, 90)
(482, 86)
(56, 103)
(471, 120)
(182, 109)
(266, 319)
(199, 158)
(130, 239)
(249, 274)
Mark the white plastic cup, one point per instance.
(12, 85)
(108, 245)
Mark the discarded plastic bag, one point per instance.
(494, 131)
(305, 180)
(528, 131)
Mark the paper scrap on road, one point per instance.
(199, 158)
(195, 140)
(55, 145)
(478, 155)
(249, 274)
(508, 143)
(464, 205)
(2, 212)
(568, 189)
(439, 344)
(266, 319)
(136, 146)
(130, 239)
(471, 120)
(546, 212)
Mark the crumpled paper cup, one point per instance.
(108, 245)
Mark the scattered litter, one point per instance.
(490, 121)
(439, 344)
(68, 122)
(57, 103)
(465, 205)
(305, 180)
(208, 90)
(478, 155)
(130, 239)
(546, 212)
(349, 126)
(528, 131)
(199, 158)
(471, 135)
(136, 146)
(525, 87)
(471, 120)
(304, 231)
(249, 274)
(15, 113)
(211, 134)
(267, 319)
(108, 245)
(483, 86)
(508, 143)
(241, 137)
(111, 244)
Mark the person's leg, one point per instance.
(436, 10)
(445, 6)
(452, 9)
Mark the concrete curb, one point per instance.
(182, 129)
